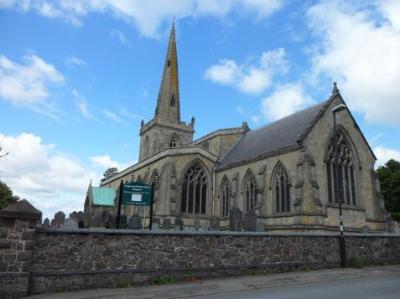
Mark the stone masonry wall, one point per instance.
(72, 260)
(16, 246)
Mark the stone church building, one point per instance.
(283, 172)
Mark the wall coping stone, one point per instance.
(104, 231)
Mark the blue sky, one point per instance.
(77, 77)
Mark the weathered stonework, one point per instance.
(73, 260)
(303, 158)
(16, 247)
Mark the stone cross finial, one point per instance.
(335, 89)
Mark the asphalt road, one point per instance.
(386, 287)
(373, 282)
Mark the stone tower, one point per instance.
(166, 130)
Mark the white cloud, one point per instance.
(75, 61)
(262, 8)
(384, 154)
(250, 78)
(285, 100)
(51, 180)
(112, 116)
(105, 161)
(225, 72)
(82, 105)
(26, 84)
(147, 15)
(119, 36)
(360, 49)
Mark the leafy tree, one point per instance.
(389, 176)
(6, 195)
(109, 173)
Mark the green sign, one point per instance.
(137, 194)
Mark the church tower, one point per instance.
(166, 130)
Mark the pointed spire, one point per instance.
(168, 103)
(335, 89)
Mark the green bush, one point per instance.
(356, 262)
(160, 280)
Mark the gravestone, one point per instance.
(251, 221)
(59, 219)
(214, 223)
(167, 223)
(97, 220)
(178, 224)
(260, 227)
(235, 219)
(70, 223)
(46, 223)
(74, 215)
(135, 222)
(109, 220)
(196, 224)
(365, 229)
(155, 226)
(204, 227)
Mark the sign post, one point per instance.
(121, 188)
(137, 194)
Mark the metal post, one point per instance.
(121, 187)
(151, 207)
(338, 197)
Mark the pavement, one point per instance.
(381, 282)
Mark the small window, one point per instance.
(205, 146)
(172, 101)
(173, 141)
(168, 63)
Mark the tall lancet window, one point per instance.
(341, 174)
(194, 190)
(249, 191)
(155, 184)
(172, 101)
(281, 187)
(224, 196)
(174, 141)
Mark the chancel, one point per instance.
(285, 173)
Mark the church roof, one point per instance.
(279, 136)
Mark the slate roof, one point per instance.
(275, 137)
(103, 196)
(21, 209)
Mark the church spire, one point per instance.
(168, 103)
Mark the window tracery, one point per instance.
(194, 190)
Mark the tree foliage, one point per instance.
(109, 173)
(6, 195)
(389, 176)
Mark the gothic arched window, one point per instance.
(172, 101)
(224, 195)
(250, 191)
(281, 187)
(342, 176)
(174, 140)
(194, 190)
